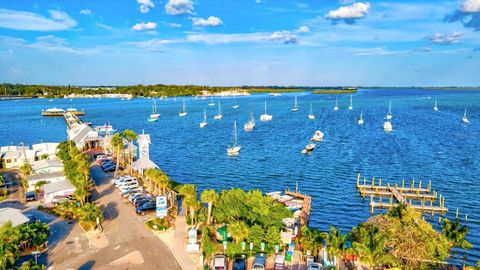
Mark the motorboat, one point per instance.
(308, 148)
(317, 136)
(387, 126)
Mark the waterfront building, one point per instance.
(53, 177)
(47, 166)
(61, 189)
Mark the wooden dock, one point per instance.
(71, 119)
(307, 205)
(418, 197)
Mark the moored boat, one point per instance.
(265, 116)
(235, 148)
(317, 136)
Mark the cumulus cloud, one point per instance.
(86, 12)
(145, 5)
(24, 20)
(303, 29)
(471, 6)
(175, 25)
(349, 13)
(441, 39)
(144, 26)
(285, 37)
(211, 21)
(179, 7)
(468, 13)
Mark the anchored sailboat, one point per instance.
(204, 122)
(265, 117)
(236, 106)
(360, 121)
(465, 119)
(183, 112)
(351, 103)
(435, 108)
(250, 125)
(336, 105)
(295, 105)
(219, 115)
(155, 115)
(211, 102)
(311, 116)
(389, 114)
(235, 148)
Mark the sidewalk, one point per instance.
(178, 246)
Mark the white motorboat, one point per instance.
(155, 114)
(311, 116)
(275, 94)
(465, 119)
(308, 148)
(265, 117)
(336, 105)
(236, 106)
(184, 111)
(295, 105)
(219, 115)
(389, 114)
(435, 108)
(387, 126)
(235, 148)
(250, 125)
(350, 107)
(204, 122)
(318, 136)
(360, 121)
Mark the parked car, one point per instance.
(109, 164)
(219, 262)
(31, 219)
(129, 191)
(239, 264)
(147, 196)
(315, 266)
(125, 181)
(106, 162)
(259, 262)
(99, 158)
(30, 196)
(122, 179)
(128, 185)
(143, 201)
(279, 262)
(133, 196)
(145, 208)
(109, 169)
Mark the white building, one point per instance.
(45, 149)
(83, 135)
(61, 188)
(16, 158)
(15, 216)
(47, 166)
(55, 177)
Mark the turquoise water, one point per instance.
(424, 145)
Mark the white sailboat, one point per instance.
(311, 116)
(250, 125)
(211, 102)
(336, 105)
(465, 119)
(235, 148)
(219, 115)
(265, 117)
(351, 103)
(387, 126)
(360, 121)
(155, 114)
(389, 114)
(235, 104)
(435, 108)
(204, 122)
(183, 112)
(295, 105)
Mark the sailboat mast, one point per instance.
(204, 114)
(390, 108)
(265, 106)
(351, 97)
(235, 133)
(184, 104)
(219, 108)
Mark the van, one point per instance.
(259, 262)
(279, 262)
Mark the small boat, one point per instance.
(465, 119)
(311, 116)
(435, 108)
(211, 102)
(351, 103)
(266, 117)
(184, 111)
(105, 128)
(360, 121)
(387, 126)
(204, 122)
(318, 136)
(150, 119)
(236, 106)
(295, 105)
(389, 114)
(155, 114)
(275, 94)
(336, 105)
(308, 148)
(50, 100)
(235, 148)
(219, 115)
(250, 125)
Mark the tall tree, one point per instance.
(130, 135)
(239, 231)
(335, 241)
(116, 142)
(456, 233)
(209, 196)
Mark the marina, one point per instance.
(55, 112)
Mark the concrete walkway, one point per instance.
(179, 243)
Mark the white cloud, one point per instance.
(285, 37)
(303, 29)
(453, 38)
(86, 12)
(48, 43)
(179, 7)
(211, 21)
(351, 12)
(24, 20)
(145, 5)
(154, 44)
(471, 6)
(144, 26)
(175, 25)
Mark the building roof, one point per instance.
(81, 133)
(143, 164)
(46, 163)
(45, 176)
(45, 147)
(57, 186)
(143, 137)
(13, 215)
(8, 148)
(12, 155)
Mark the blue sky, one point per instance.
(241, 42)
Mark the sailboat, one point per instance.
(155, 114)
(351, 103)
(250, 125)
(336, 105)
(387, 126)
(235, 148)
(295, 106)
(183, 112)
(465, 119)
(219, 115)
(389, 114)
(311, 116)
(211, 102)
(204, 122)
(265, 117)
(435, 108)
(236, 106)
(360, 121)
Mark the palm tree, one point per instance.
(150, 177)
(189, 191)
(239, 231)
(335, 241)
(130, 135)
(117, 144)
(455, 233)
(311, 240)
(370, 245)
(26, 169)
(210, 197)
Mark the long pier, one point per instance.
(418, 197)
(307, 205)
(71, 119)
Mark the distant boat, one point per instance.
(50, 100)
(219, 115)
(211, 102)
(387, 126)
(204, 122)
(184, 111)
(275, 94)
(311, 116)
(236, 106)
(295, 105)
(318, 136)
(235, 148)
(465, 119)
(336, 105)
(360, 121)
(435, 108)
(389, 114)
(250, 125)
(351, 103)
(308, 148)
(265, 117)
(155, 114)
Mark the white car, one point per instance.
(128, 186)
(136, 195)
(126, 182)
